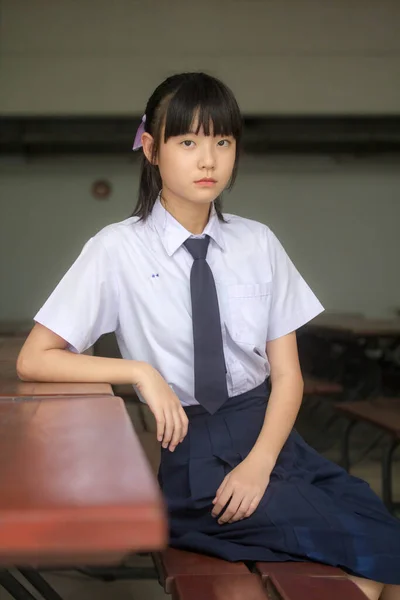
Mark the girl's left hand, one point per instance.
(244, 486)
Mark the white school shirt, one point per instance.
(133, 278)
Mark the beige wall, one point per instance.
(279, 56)
(338, 221)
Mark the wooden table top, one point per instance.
(11, 385)
(356, 325)
(75, 484)
(312, 386)
(381, 411)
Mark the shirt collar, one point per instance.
(173, 234)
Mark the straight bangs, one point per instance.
(206, 104)
(182, 104)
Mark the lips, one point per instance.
(206, 180)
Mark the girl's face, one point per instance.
(187, 159)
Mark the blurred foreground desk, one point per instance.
(75, 485)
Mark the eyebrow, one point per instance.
(191, 132)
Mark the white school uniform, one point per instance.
(133, 277)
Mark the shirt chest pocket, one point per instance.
(247, 311)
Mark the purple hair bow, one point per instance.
(138, 137)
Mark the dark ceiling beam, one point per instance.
(262, 135)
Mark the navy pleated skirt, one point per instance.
(312, 509)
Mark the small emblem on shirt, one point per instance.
(155, 275)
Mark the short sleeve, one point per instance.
(293, 303)
(84, 305)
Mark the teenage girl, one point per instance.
(205, 306)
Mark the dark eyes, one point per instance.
(221, 143)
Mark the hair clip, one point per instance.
(138, 137)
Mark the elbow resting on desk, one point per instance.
(45, 358)
(22, 369)
(32, 357)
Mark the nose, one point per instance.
(207, 155)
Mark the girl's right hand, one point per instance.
(171, 419)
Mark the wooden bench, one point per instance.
(384, 413)
(300, 587)
(173, 563)
(188, 575)
(310, 569)
(193, 576)
(219, 587)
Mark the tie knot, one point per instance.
(197, 247)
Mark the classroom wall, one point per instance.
(280, 56)
(337, 219)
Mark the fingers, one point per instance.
(241, 511)
(172, 421)
(247, 507)
(217, 496)
(223, 498)
(241, 506)
(174, 427)
(160, 422)
(177, 430)
(253, 505)
(169, 428)
(232, 509)
(185, 423)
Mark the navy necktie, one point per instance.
(209, 363)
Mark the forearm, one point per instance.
(283, 407)
(57, 365)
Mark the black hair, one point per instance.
(175, 103)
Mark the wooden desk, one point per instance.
(75, 485)
(313, 386)
(383, 413)
(358, 348)
(10, 385)
(355, 326)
